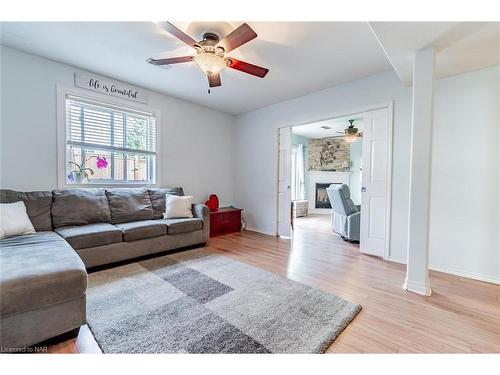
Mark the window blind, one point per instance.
(92, 124)
(120, 134)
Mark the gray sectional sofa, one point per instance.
(43, 278)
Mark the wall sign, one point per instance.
(115, 88)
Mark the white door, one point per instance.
(375, 182)
(284, 181)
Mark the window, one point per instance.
(108, 144)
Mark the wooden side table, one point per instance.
(225, 220)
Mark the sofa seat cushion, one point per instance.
(38, 270)
(83, 236)
(177, 226)
(139, 230)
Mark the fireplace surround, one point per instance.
(323, 178)
(321, 197)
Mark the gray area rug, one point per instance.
(200, 302)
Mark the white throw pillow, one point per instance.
(178, 206)
(14, 220)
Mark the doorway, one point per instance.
(315, 159)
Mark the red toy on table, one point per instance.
(212, 203)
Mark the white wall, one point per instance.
(465, 182)
(465, 179)
(197, 142)
(256, 137)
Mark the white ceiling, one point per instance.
(460, 46)
(337, 126)
(303, 57)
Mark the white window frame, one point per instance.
(61, 93)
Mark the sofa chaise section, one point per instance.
(42, 289)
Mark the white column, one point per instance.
(417, 275)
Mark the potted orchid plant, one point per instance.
(81, 171)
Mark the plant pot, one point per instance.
(76, 177)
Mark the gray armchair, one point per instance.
(345, 214)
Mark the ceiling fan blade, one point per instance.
(238, 37)
(214, 80)
(171, 60)
(177, 33)
(247, 67)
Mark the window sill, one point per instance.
(107, 185)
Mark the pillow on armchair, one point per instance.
(178, 207)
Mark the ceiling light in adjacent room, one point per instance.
(351, 133)
(350, 138)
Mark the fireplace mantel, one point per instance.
(322, 177)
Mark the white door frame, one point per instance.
(390, 109)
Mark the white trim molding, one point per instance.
(468, 275)
(419, 288)
(249, 229)
(456, 272)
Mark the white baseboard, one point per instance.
(260, 231)
(419, 288)
(395, 260)
(455, 272)
(469, 275)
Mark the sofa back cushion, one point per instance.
(38, 205)
(80, 207)
(129, 204)
(157, 196)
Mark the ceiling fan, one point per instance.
(211, 53)
(350, 134)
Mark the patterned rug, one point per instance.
(200, 302)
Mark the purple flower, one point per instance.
(101, 162)
(70, 177)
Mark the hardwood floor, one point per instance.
(461, 316)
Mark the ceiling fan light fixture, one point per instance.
(351, 138)
(351, 133)
(210, 63)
